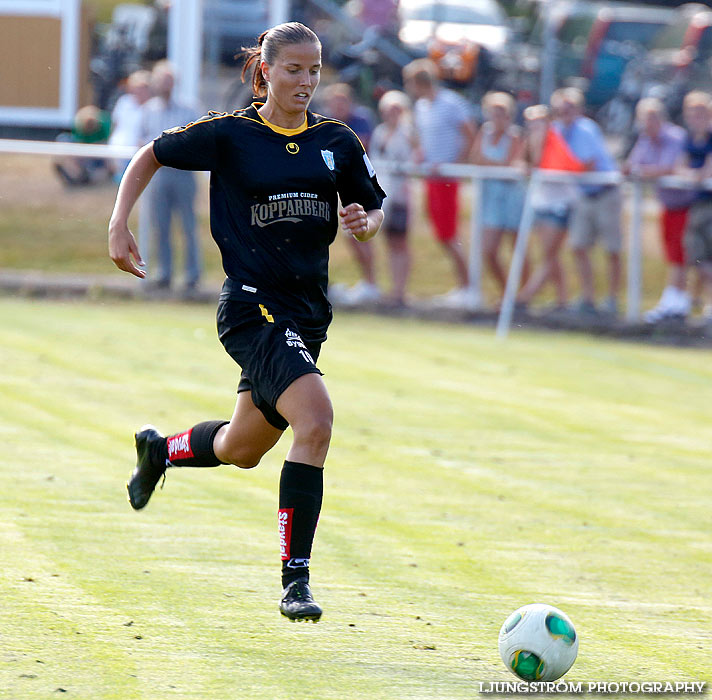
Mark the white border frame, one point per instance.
(69, 13)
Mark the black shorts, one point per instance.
(267, 345)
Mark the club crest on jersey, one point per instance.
(292, 148)
(328, 157)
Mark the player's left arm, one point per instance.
(361, 224)
(123, 249)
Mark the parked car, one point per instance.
(596, 41)
(683, 51)
(571, 24)
(618, 35)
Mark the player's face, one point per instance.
(294, 76)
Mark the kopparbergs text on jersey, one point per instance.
(265, 214)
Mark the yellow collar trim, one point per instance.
(282, 130)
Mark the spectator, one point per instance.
(127, 116)
(499, 142)
(394, 140)
(446, 133)
(171, 190)
(546, 149)
(91, 125)
(696, 162)
(656, 153)
(598, 212)
(339, 103)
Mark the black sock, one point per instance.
(301, 488)
(194, 447)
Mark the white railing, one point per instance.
(65, 148)
(461, 171)
(478, 173)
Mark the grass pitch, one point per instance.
(466, 478)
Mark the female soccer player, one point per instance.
(276, 170)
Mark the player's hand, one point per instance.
(124, 251)
(354, 220)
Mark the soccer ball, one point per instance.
(538, 642)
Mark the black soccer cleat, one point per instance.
(150, 467)
(297, 602)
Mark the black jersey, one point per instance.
(273, 202)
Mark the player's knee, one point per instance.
(315, 430)
(244, 457)
(247, 463)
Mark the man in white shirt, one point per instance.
(446, 132)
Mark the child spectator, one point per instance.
(696, 162)
(394, 140)
(545, 148)
(656, 153)
(499, 142)
(91, 125)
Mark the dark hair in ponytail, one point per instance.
(269, 44)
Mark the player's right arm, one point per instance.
(123, 249)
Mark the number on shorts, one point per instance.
(307, 356)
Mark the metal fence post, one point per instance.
(635, 253)
(515, 268)
(474, 269)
